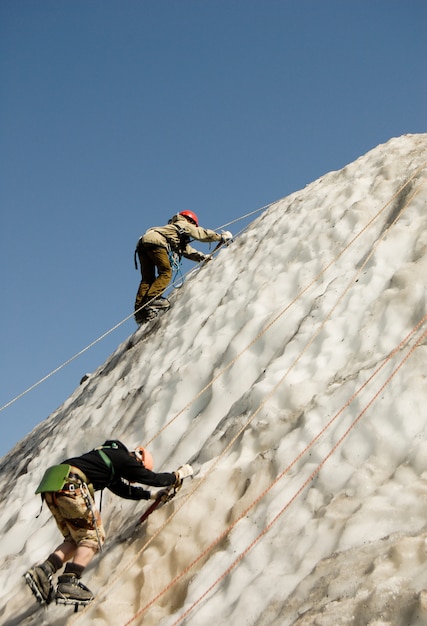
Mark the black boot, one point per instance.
(39, 580)
(145, 315)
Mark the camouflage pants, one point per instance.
(151, 286)
(77, 523)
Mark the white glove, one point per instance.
(183, 472)
(226, 236)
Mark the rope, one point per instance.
(270, 394)
(123, 321)
(287, 469)
(60, 367)
(231, 443)
(239, 219)
(294, 497)
(297, 297)
(89, 346)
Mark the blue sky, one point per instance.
(116, 114)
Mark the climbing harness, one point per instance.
(175, 260)
(89, 503)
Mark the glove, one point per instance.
(162, 494)
(183, 472)
(226, 236)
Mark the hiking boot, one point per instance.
(145, 316)
(70, 590)
(160, 303)
(39, 580)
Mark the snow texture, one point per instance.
(291, 372)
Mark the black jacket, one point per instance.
(127, 469)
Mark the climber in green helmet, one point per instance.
(68, 490)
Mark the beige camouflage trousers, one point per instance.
(76, 521)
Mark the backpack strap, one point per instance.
(135, 254)
(107, 462)
(184, 239)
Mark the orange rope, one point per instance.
(287, 469)
(351, 282)
(297, 297)
(299, 491)
(269, 395)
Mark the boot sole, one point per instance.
(73, 602)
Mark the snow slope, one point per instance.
(291, 372)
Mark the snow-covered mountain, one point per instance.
(291, 372)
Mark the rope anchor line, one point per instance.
(299, 491)
(104, 335)
(128, 317)
(238, 434)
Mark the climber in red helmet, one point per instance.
(154, 249)
(68, 490)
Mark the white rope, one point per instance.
(42, 380)
(108, 332)
(239, 219)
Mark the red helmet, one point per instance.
(190, 216)
(144, 457)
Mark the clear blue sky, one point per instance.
(116, 114)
